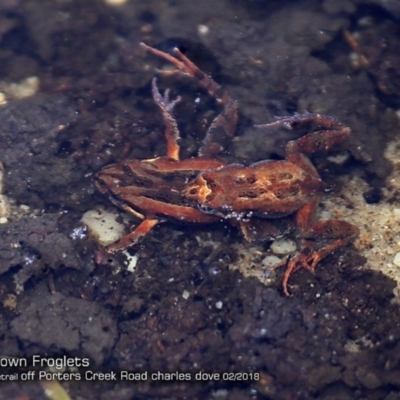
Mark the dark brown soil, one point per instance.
(337, 336)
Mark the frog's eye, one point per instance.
(102, 186)
(193, 191)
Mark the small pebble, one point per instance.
(132, 261)
(115, 2)
(396, 260)
(283, 246)
(219, 304)
(203, 30)
(102, 225)
(373, 196)
(270, 261)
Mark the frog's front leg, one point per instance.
(133, 237)
(223, 128)
(337, 232)
(171, 128)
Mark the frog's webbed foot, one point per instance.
(163, 102)
(340, 233)
(295, 263)
(187, 67)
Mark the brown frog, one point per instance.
(206, 189)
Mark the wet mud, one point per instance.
(182, 310)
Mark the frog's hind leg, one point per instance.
(337, 233)
(187, 67)
(171, 128)
(223, 128)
